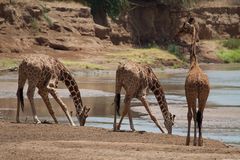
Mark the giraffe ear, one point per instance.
(174, 117)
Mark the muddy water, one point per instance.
(221, 117)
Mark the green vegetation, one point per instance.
(175, 50)
(232, 43)
(230, 56)
(146, 55)
(6, 63)
(113, 8)
(45, 14)
(82, 65)
(34, 25)
(231, 52)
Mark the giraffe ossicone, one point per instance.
(44, 72)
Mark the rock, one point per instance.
(206, 31)
(86, 29)
(101, 31)
(15, 50)
(2, 20)
(42, 41)
(64, 9)
(234, 19)
(85, 13)
(8, 13)
(56, 27)
(69, 28)
(59, 46)
(118, 38)
(34, 11)
(27, 17)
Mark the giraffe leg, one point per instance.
(195, 126)
(130, 120)
(60, 102)
(191, 101)
(189, 116)
(18, 110)
(44, 95)
(30, 94)
(127, 102)
(146, 105)
(202, 103)
(199, 120)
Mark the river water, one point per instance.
(221, 116)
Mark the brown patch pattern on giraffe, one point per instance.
(44, 72)
(196, 86)
(136, 79)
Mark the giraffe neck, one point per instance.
(193, 57)
(157, 89)
(72, 86)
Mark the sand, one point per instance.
(51, 141)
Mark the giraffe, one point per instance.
(44, 72)
(196, 85)
(136, 79)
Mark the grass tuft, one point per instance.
(143, 55)
(230, 56)
(83, 65)
(6, 63)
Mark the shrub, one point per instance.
(232, 43)
(230, 56)
(175, 50)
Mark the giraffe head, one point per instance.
(186, 32)
(169, 122)
(82, 115)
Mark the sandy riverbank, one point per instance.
(30, 141)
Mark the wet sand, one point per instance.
(50, 141)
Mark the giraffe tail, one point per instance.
(20, 98)
(117, 102)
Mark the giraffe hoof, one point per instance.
(118, 127)
(74, 125)
(37, 121)
(115, 129)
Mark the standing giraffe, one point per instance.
(196, 85)
(136, 79)
(44, 72)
